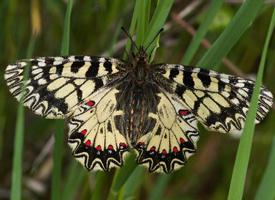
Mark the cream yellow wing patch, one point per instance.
(95, 141)
(55, 85)
(172, 140)
(219, 101)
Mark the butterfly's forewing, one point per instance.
(56, 85)
(93, 136)
(219, 101)
(81, 88)
(173, 138)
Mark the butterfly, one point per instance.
(113, 106)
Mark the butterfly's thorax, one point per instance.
(140, 72)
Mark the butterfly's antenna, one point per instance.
(127, 54)
(129, 36)
(159, 32)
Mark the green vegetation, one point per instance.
(44, 28)
(242, 159)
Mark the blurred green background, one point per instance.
(95, 30)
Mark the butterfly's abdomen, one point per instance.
(137, 101)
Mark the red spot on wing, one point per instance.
(98, 148)
(182, 140)
(184, 112)
(88, 143)
(164, 152)
(175, 150)
(110, 147)
(122, 145)
(153, 148)
(84, 132)
(90, 103)
(141, 144)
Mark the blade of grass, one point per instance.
(19, 129)
(101, 179)
(157, 22)
(196, 40)
(160, 185)
(2, 120)
(57, 160)
(65, 45)
(243, 154)
(232, 33)
(132, 27)
(266, 189)
(121, 176)
(139, 6)
(132, 184)
(147, 15)
(141, 22)
(75, 176)
(58, 136)
(16, 189)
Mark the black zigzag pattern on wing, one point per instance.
(55, 85)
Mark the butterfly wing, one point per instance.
(219, 101)
(94, 137)
(56, 85)
(173, 138)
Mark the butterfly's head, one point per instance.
(141, 57)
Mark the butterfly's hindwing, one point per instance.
(93, 136)
(56, 85)
(173, 138)
(219, 101)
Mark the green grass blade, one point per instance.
(65, 45)
(101, 179)
(160, 186)
(2, 121)
(157, 22)
(147, 15)
(121, 176)
(58, 136)
(242, 159)
(141, 22)
(132, 27)
(16, 189)
(75, 177)
(128, 191)
(266, 189)
(17, 156)
(196, 40)
(57, 160)
(232, 33)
